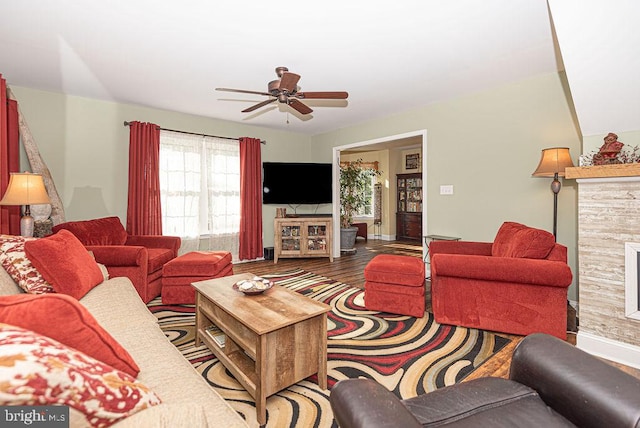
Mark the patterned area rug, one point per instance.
(408, 355)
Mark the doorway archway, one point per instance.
(391, 141)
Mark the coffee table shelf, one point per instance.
(273, 339)
(237, 362)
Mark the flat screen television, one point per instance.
(294, 183)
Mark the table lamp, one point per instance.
(25, 189)
(552, 164)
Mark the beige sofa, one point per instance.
(187, 399)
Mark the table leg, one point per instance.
(322, 353)
(198, 340)
(426, 253)
(261, 409)
(261, 370)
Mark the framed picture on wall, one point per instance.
(412, 161)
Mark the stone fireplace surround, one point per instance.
(608, 226)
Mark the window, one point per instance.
(200, 191)
(367, 209)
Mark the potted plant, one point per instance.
(353, 180)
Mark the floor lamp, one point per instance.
(552, 164)
(25, 189)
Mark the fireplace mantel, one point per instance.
(604, 171)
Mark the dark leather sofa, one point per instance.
(551, 384)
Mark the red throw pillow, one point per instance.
(532, 243)
(65, 263)
(64, 319)
(520, 241)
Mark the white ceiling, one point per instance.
(599, 41)
(389, 56)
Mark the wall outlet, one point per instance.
(446, 189)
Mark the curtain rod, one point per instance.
(196, 133)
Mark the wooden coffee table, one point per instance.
(273, 339)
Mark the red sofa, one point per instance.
(139, 258)
(516, 284)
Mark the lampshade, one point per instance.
(25, 189)
(553, 160)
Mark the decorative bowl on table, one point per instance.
(256, 285)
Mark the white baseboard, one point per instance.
(381, 237)
(612, 350)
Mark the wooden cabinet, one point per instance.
(302, 237)
(409, 206)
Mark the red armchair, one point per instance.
(516, 284)
(139, 258)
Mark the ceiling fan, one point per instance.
(285, 90)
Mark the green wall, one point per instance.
(487, 145)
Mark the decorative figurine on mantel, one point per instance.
(609, 151)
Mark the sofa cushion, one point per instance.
(38, 370)
(65, 263)
(172, 415)
(502, 242)
(19, 267)
(520, 241)
(533, 243)
(485, 402)
(118, 308)
(7, 285)
(64, 319)
(100, 231)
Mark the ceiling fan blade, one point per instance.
(257, 106)
(242, 91)
(288, 81)
(338, 95)
(299, 106)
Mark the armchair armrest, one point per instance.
(365, 403)
(460, 247)
(155, 241)
(584, 389)
(502, 269)
(120, 255)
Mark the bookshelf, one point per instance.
(409, 206)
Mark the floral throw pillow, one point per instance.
(36, 370)
(14, 260)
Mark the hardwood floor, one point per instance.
(349, 269)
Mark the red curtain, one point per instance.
(9, 158)
(250, 199)
(144, 216)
